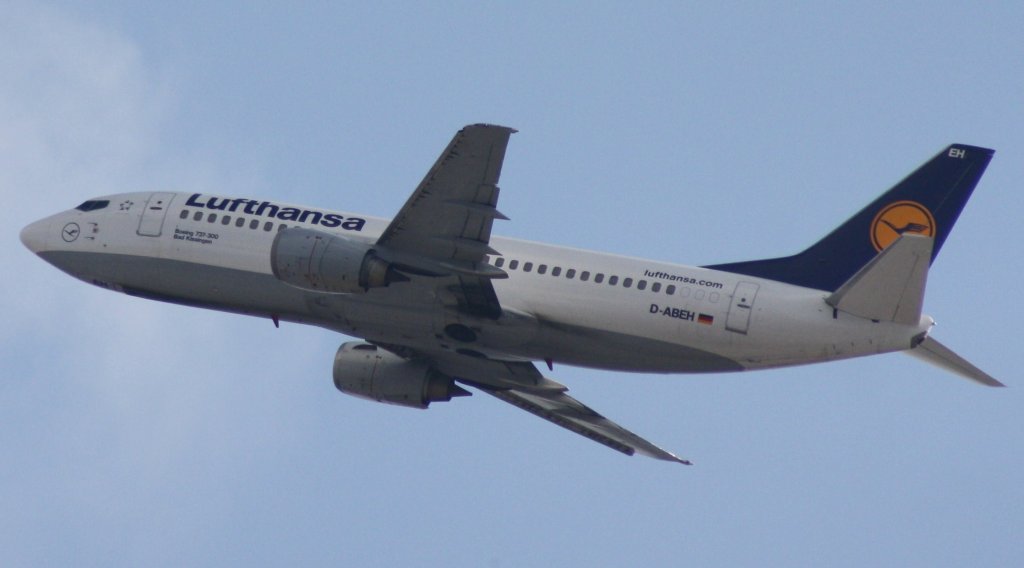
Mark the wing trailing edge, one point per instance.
(565, 411)
(522, 385)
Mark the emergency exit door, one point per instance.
(152, 221)
(742, 304)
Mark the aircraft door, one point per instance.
(152, 221)
(742, 304)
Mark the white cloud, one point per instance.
(78, 106)
(79, 116)
(108, 406)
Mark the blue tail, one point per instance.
(926, 202)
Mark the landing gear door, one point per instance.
(153, 214)
(742, 304)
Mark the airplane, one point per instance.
(440, 305)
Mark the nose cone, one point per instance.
(35, 235)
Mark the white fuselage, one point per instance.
(561, 305)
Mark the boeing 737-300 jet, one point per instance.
(438, 302)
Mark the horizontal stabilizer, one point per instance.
(891, 286)
(931, 351)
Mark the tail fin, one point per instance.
(926, 202)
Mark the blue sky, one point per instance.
(138, 433)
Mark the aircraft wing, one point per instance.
(444, 228)
(443, 231)
(571, 414)
(520, 384)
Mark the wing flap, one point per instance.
(483, 210)
(464, 248)
(571, 414)
(520, 384)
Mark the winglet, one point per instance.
(931, 351)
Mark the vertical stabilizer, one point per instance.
(927, 202)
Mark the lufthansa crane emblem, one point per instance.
(898, 218)
(70, 232)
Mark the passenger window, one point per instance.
(212, 218)
(281, 227)
(713, 296)
(671, 289)
(198, 216)
(500, 262)
(684, 292)
(584, 276)
(542, 269)
(514, 264)
(556, 271)
(184, 214)
(627, 283)
(641, 285)
(528, 267)
(598, 278)
(268, 226)
(656, 287)
(698, 295)
(226, 220)
(613, 280)
(254, 224)
(240, 222)
(571, 273)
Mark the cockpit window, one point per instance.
(93, 205)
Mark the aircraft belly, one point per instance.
(402, 314)
(605, 349)
(186, 283)
(613, 328)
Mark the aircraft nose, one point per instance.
(35, 235)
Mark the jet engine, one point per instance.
(367, 371)
(322, 262)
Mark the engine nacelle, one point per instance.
(314, 260)
(367, 371)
